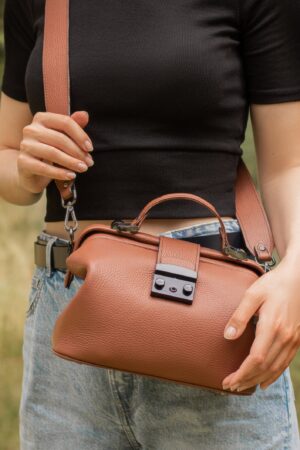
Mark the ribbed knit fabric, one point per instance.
(167, 84)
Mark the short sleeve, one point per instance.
(18, 44)
(270, 34)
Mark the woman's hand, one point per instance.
(275, 298)
(54, 146)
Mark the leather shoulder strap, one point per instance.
(56, 56)
(251, 215)
(249, 208)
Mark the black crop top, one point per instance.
(167, 84)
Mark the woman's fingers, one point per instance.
(247, 307)
(274, 371)
(255, 362)
(32, 166)
(54, 146)
(53, 138)
(52, 154)
(271, 362)
(277, 335)
(278, 352)
(81, 117)
(262, 376)
(66, 124)
(279, 365)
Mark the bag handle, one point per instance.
(138, 221)
(249, 208)
(136, 224)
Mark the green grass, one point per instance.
(18, 228)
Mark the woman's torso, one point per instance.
(152, 226)
(164, 117)
(167, 86)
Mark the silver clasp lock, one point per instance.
(174, 283)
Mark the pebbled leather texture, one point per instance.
(114, 322)
(188, 255)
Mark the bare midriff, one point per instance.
(151, 226)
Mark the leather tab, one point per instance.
(251, 216)
(176, 270)
(262, 252)
(65, 189)
(181, 253)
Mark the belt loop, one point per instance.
(49, 246)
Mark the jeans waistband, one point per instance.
(203, 229)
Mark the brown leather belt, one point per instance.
(58, 251)
(53, 255)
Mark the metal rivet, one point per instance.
(173, 289)
(261, 247)
(159, 283)
(187, 289)
(66, 184)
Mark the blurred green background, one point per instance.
(18, 228)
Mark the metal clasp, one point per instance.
(266, 265)
(120, 225)
(71, 223)
(174, 283)
(237, 253)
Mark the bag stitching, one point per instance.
(231, 265)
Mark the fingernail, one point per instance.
(89, 161)
(241, 388)
(71, 175)
(225, 386)
(89, 146)
(234, 387)
(82, 166)
(230, 332)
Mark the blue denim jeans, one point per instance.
(69, 406)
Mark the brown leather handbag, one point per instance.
(150, 305)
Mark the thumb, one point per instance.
(81, 117)
(241, 316)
